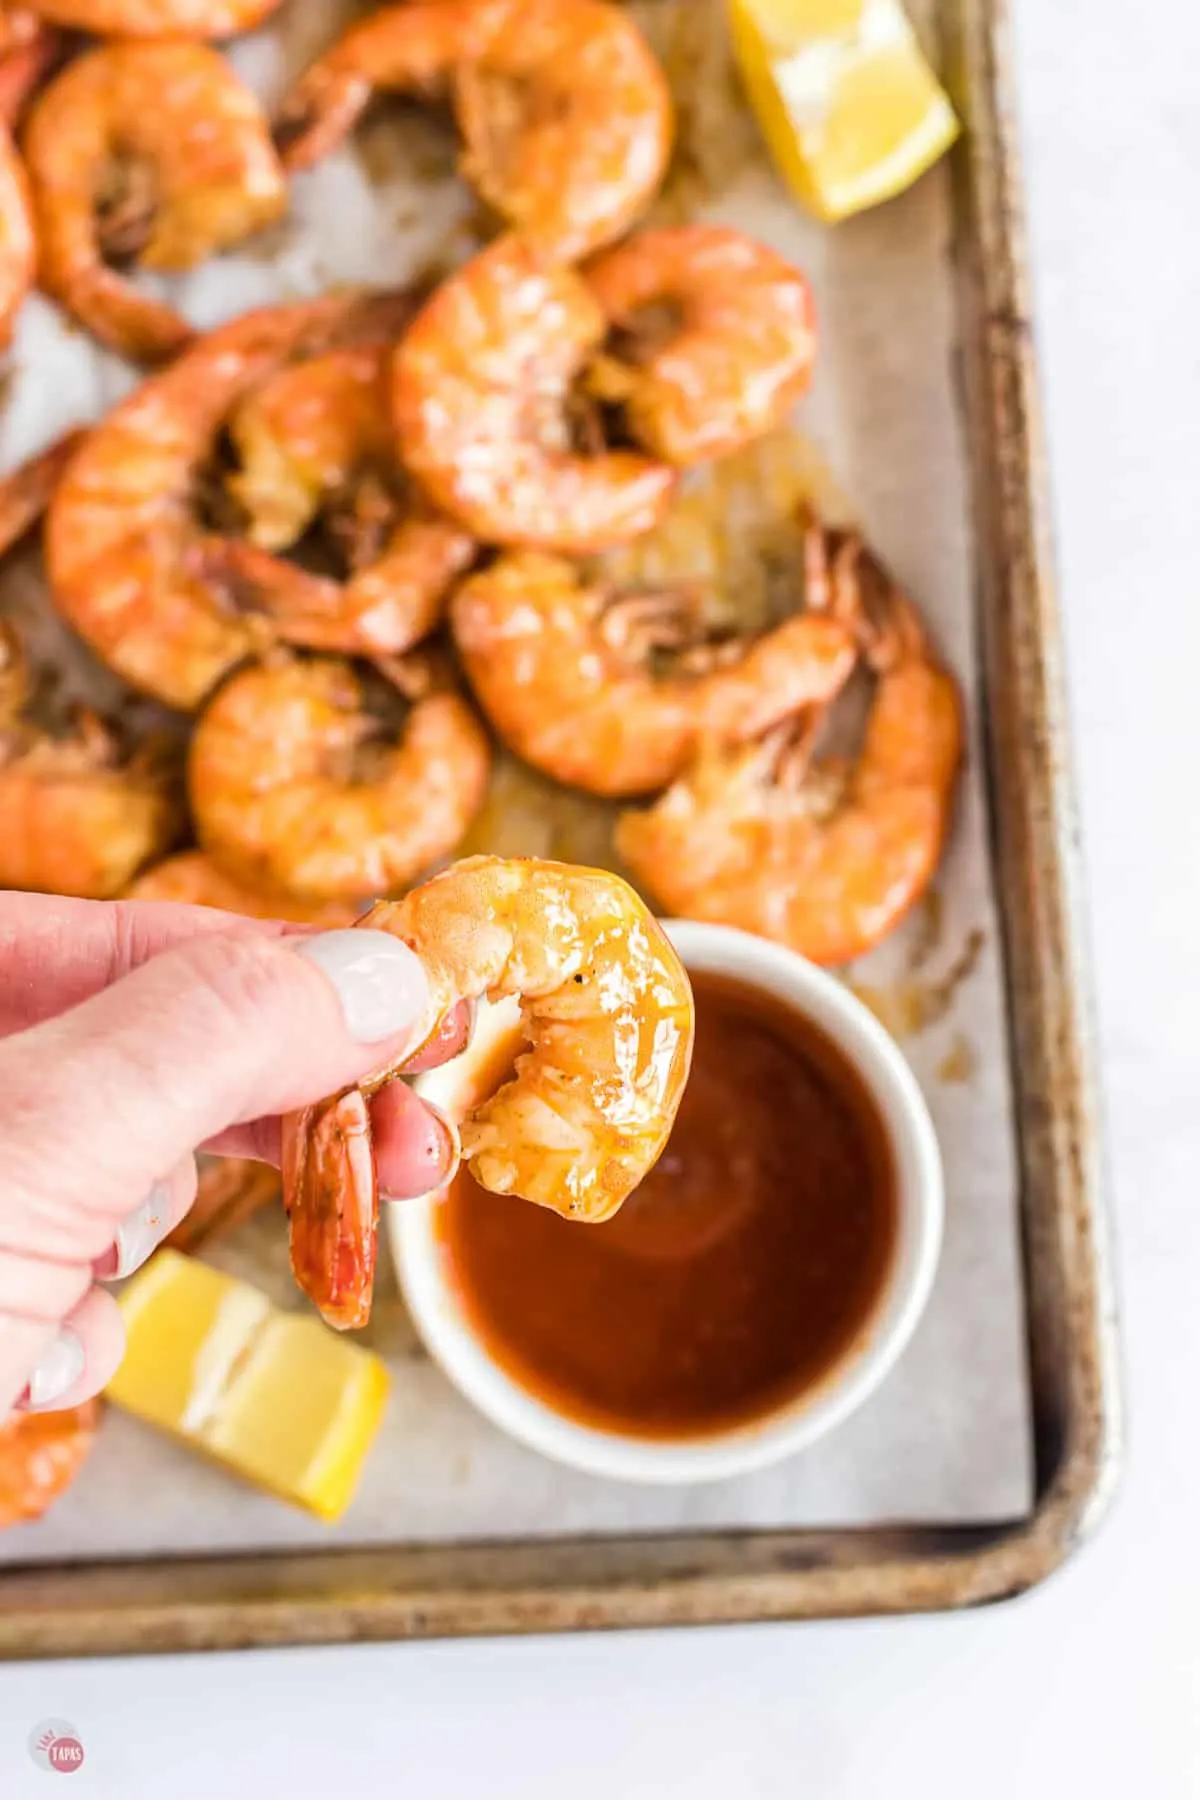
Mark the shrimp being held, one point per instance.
(132, 567)
(482, 392)
(298, 782)
(566, 671)
(41, 1453)
(316, 446)
(565, 115)
(77, 815)
(714, 337)
(606, 1008)
(825, 857)
(153, 154)
(193, 879)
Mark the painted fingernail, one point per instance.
(58, 1369)
(138, 1236)
(380, 983)
(443, 1150)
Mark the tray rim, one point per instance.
(432, 1590)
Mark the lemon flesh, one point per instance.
(851, 112)
(277, 1398)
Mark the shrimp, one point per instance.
(825, 858)
(41, 1453)
(157, 18)
(131, 567)
(564, 112)
(18, 249)
(315, 442)
(77, 816)
(153, 154)
(296, 785)
(194, 879)
(481, 397)
(714, 337)
(29, 49)
(607, 1009)
(565, 671)
(25, 493)
(229, 1190)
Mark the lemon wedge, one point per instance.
(276, 1397)
(850, 109)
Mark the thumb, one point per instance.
(99, 1103)
(101, 1108)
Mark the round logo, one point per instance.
(54, 1744)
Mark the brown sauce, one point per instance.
(735, 1278)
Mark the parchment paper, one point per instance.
(947, 1438)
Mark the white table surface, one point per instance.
(1092, 1685)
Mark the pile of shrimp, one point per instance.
(348, 550)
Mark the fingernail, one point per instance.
(60, 1367)
(444, 1151)
(138, 1236)
(380, 983)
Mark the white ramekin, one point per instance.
(421, 1260)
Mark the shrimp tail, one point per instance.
(333, 1206)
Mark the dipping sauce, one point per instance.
(735, 1278)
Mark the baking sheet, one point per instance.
(947, 1438)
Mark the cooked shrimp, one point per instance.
(826, 858)
(29, 49)
(18, 250)
(131, 567)
(607, 1009)
(565, 670)
(157, 18)
(229, 1190)
(296, 783)
(565, 115)
(152, 154)
(25, 493)
(714, 337)
(481, 394)
(315, 442)
(41, 1453)
(194, 879)
(77, 815)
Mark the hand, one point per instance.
(132, 1035)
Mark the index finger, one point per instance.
(56, 953)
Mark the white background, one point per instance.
(1091, 1686)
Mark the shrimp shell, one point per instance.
(481, 382)
(607, 1008)
(318, 435)
(187, 146)
(76, 815)
(293, 787)
(739, 355)
(131, 569)
(157, 18)
(565, 114)
(41, 1453)
(18, 250)
(826, 859)
(193, 879)
(574, 698)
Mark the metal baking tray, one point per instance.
(446, 1589)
